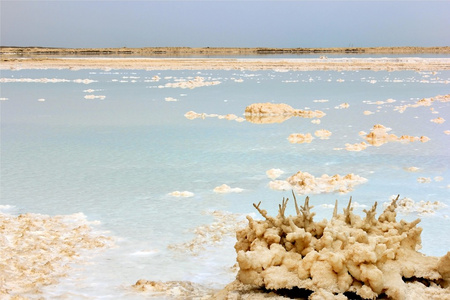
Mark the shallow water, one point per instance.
(116, 158)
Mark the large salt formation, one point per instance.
(366, 256)
(266, 113)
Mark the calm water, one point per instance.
(116, 158)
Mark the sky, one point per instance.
(213, 23)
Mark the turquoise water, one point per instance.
(117, 159)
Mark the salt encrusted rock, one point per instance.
(264, 113)
(366, 256)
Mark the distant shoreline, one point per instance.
(213, 51)
(184, 58)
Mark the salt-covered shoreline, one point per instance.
(287, 64)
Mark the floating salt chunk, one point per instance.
(300, 138)
(342, 106)
(408, 205)
(424, 179)
(315, 121)
(3, 99)
(41, 100)
(321, 100)
(447, 132)
(274, 173)
(438, 178)
(90, 96)
(170, 99)
(438, 120)
(89, 91)
(412, 169)
(356, 147)
(305, 183)
(323, 134)
(181, 194)
(368, 112)
(224, 189)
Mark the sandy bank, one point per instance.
(375, 64)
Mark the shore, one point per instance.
(338, 64)
(215, 51)
(183, 58)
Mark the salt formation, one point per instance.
(174, 289)
(191, 115)
(438, 120)
(274, 173)
(37, 250)
(305, 183)
(300, 138)
(379, 136)
(265, 113)
(224, 189)
(323, 134)
(424, 102)
(45, 80)
(366, 256)
(225, 225)
(356, 147)
(191, 84)
(101, 97)
(182, 194)
(170, 99)
(342, 106)
(408, 205)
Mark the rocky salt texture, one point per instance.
(305, 183)
(367, 256)
(266, 113)
(37, 250)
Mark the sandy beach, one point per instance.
(182, 59)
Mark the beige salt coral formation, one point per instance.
(266, 113)
(356, 147)
(367, 256)
(38, 250)
(305, 183)
(181, 194)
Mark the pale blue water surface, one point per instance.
(117, 159)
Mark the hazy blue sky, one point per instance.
(225, 23)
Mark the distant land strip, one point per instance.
(187, 51)
(232, 59)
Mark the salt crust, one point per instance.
(191, 115)
(305, 183)
(45, 80)
(266, 113)
(366, 256)
(225, 225)
(37, 250)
